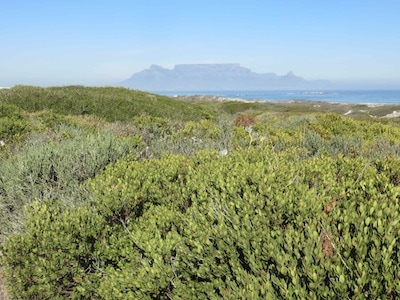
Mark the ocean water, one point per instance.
(334, 96)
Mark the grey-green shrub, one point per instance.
(56, 170)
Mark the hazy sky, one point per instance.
(104, 42)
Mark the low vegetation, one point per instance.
(109, 193)
(109, 103)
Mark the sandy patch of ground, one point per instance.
(348, 113)
(394, 114)
(3, 288)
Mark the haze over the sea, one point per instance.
(353, 44)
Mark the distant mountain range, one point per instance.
(215, 77)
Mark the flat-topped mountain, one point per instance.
(209, 77)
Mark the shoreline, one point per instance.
(363, 97)
(215, 98)
(374, 110)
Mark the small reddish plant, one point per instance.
(244, 121)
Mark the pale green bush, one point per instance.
(55, 170)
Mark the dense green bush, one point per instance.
(47, 119)
(328, 125)
(12, 122)
(253, 224)
(10, 111)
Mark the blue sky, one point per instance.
(104, 42)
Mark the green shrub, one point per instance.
(49, 120)
(12, 121)
(153, 128)
(233, 107)
(339, 144)
(194, 136)
(10, 111)
(253, 224)
(10, 127)
(73, 253)
(56, 170)
(201, 129)
(313, 142)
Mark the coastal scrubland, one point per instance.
(111, 193)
